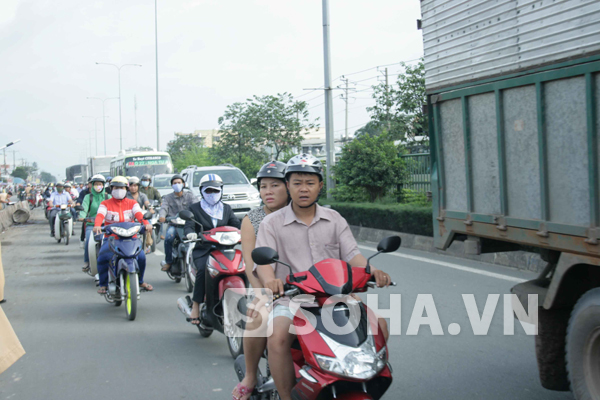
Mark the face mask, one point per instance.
(59, 190)
(145, 183)
(119, 194)
(98, 188)
(177, 187)
(212, 198)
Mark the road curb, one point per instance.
(521, 260)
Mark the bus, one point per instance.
(140, 163)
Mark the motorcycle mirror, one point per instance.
(78, 208)
(186, 215)
(389, 244)
(264, 255)
(148, 215)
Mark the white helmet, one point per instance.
(98, 178)
(211, 180)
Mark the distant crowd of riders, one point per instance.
(120, 216)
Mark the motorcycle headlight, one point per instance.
(126, 232)
(63, 207)
(213, 272)
(362, 362)
(227, 238)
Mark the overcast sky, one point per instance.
(211, 53)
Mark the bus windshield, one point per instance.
(148, 164)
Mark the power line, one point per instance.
(355, 126)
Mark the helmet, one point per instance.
(67, 184)
(134, 180)
(272, 169)
(304, 163)
(146, 177)
(119, 181)
(109, 178)
(97, 178)
(60, 184)
(176, 176)
(211, 180)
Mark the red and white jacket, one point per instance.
(112, 211)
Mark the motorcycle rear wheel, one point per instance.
(131, 280)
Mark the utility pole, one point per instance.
(14, 162)
(387, 101)
(135, 115)
(346, 99)
(330, 140)
(156, 53)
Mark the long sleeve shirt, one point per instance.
(112, 211)
(172, 203)
(59, 199)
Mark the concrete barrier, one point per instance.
(513, 259)
(6, 215)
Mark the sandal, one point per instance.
(165, 267)
(243, 391)
(102, 290)
(193, 320)
(85, 269)
(146, 287)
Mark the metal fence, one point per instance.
(419, 172)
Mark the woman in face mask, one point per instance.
(211, 212)
(90, 204)
(118, 209)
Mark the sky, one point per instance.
(211, 53)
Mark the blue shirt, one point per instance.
(58, 199)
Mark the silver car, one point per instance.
(162, 182)
(238, 192)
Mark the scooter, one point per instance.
(123, 270)
(330, 365)
(225, 270)
(63, 224)
(156, 224)
(94, 245)
(178, 264)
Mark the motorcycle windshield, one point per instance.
(341, 317)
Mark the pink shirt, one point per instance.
(301, 245)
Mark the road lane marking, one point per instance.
(451, 265)
(159, 253)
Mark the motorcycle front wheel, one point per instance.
(67, 235)
(131, 282)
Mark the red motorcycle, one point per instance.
(330, 365)
(225, 269)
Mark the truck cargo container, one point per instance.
(513, 93)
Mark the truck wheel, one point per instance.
(583, 347)
(550, 348)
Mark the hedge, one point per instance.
(407, 218)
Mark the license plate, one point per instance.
(236, 206)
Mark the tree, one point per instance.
(372, 128)
(198, 156)
(20, 172)
(262, 128)
(372, 164)
(47, 177)
(184, 148)
(399, 108)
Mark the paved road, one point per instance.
(80, 347)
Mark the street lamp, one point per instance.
(118, 67)
(103, 116)
(95, 129)
(4, 150)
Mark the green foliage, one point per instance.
(198, 156)
(407, 218)
(261, 129)
(369, 166)
(20, 172)
(372, 128)
(409, 196)
(47, 177)
(399, 107)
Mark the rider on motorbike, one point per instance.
(135, 194)
(58, 198)
(118, 209)
(303, 233)
(151, 192)
(91, 203)
(211, 212)
(173, 203)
